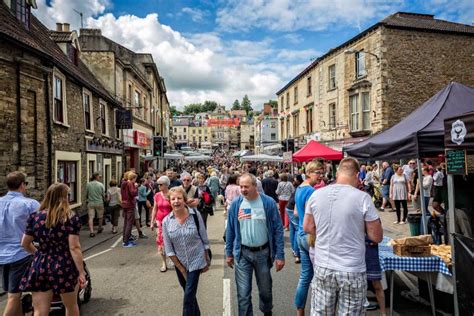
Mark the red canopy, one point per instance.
(313, 149)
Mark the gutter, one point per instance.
(18, 112)
(49, 137)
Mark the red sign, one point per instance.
(223, 122)
(140, 139)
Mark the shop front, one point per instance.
(137, 146)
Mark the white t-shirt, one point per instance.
(340, 212)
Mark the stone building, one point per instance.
(374, 79)
(247, 136)
(220, 132)
(180, 131)
(235, 131)
(133, 79)
(200, 136)
(54, 111)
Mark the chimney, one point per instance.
(66, 27)
(91, 32)
(59, 27)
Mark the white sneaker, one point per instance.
(396, 222)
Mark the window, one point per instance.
(282, 102)
(332, 115)
(287, 127)
(309, 86)
(184, 136)
(296, 95)
(23, 12)
(194, 131)
(179, 137)
(67, 174)
(273, 136)
(205, 138)
(332, 77)
(103, 118)
(194, 138)
(130, 94)
(295, 125)
(282, 128)
(175, 130)
(273, 124)
(72, 54)
(59, 99)
(184, 130)
(200, 131)
(87, 111)
(354, 109)
(365, 111)
(309, 119)
(91, 168)
(287, 100)
(360, 64)
(137, 102)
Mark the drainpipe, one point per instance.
(18, 113)
(49, 138)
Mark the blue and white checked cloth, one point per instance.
(390, 261)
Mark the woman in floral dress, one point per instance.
(57, 267)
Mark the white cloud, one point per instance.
(293, 15)
(195, 14)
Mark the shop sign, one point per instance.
(140, 139)
(123, 119)
(228, 122)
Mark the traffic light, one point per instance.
(291, 145)
(157, 146)
(283, 145)
(164, 145)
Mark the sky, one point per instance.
(222, 50)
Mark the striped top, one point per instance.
(284, 190)
(184, 241)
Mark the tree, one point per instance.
(174, 111)
(273, 103)
(236, 105)
(246, 104)
(193, 108)
(209, 106)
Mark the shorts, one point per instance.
(385, 191)
(93, 208)
(372, 263)
(439, 194)
(11, 274)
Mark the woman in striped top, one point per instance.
(186, 244)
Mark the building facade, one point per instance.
(373, 80)
(180, 131)
(55, 112)
(133, 79)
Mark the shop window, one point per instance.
(67, 174)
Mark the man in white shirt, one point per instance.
(340, 216)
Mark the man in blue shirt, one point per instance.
(254, 237)
(15, 209)
(387, 174)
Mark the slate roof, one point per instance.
(38, 40)
(399, 20)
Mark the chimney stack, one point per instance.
(66, 27)
(59, 27)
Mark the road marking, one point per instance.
(117, 242)
(97, 254)
(226, 298)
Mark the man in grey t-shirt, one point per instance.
(340, 216)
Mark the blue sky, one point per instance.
(221, 50)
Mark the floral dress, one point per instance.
(53, 267)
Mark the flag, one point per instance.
(244, 214)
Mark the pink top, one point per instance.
(319, 185)
(163, 206)
(231, 192)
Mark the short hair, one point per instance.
(178, 189)
(349, 165)
(142, 180)
(232, 179)
(130, 175)
(253, 171)
(164, 180)
(253, 179)
(284, 177)
(313, 166)
(95, 175)
(15, 179)
(113, 183)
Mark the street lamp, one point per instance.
(354, 51)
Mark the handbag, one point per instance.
(148, 204)
(196, 222)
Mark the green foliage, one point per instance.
(246, 104)
(174, 111)
(194, 108)
(209, 106)
(273, 103)
(236, 105)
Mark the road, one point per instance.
(127, 281)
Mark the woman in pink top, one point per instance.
(161, 209)
(231, 191)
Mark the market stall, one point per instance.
(197, 158)
(314, 149)
(262, 157)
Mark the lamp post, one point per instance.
(354, 51)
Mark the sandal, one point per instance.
(100, 230)
(91, 235)
(163, 269)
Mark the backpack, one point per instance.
(196, 222)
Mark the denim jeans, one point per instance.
(293, 232)
(189, 285)
(306, 273)
(260, 262)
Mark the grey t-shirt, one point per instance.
(340, 212)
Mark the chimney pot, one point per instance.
(59, 27)
(66, 27)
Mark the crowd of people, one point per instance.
(334, 228)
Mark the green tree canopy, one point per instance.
(236, 105)
(174, 111)
(209, 106)
(273, 103)
(193, 108)
(246, 104)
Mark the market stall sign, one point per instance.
(123, 119)
(456, 161)
(287, 157)
(140, 139)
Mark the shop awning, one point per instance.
(262, 157)
(314, 149)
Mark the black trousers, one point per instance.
(403, 203)
(142, 205)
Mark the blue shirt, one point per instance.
(253, 223)
(15, 209)
(301, 197)
(387, 174)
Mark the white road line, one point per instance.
(117, 242)
(97, 254)
(226, 298)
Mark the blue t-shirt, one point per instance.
(301, 197)
(253, 223)
(387, 174)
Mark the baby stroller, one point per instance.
(377, 196)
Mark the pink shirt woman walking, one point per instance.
(231, 191)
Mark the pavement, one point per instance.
(127, 281)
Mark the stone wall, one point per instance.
(418, 65)
(102, 65)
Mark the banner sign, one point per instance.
(459, 131)
(288, 157)
(123, 119)
(230, 122)
(140, 139)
